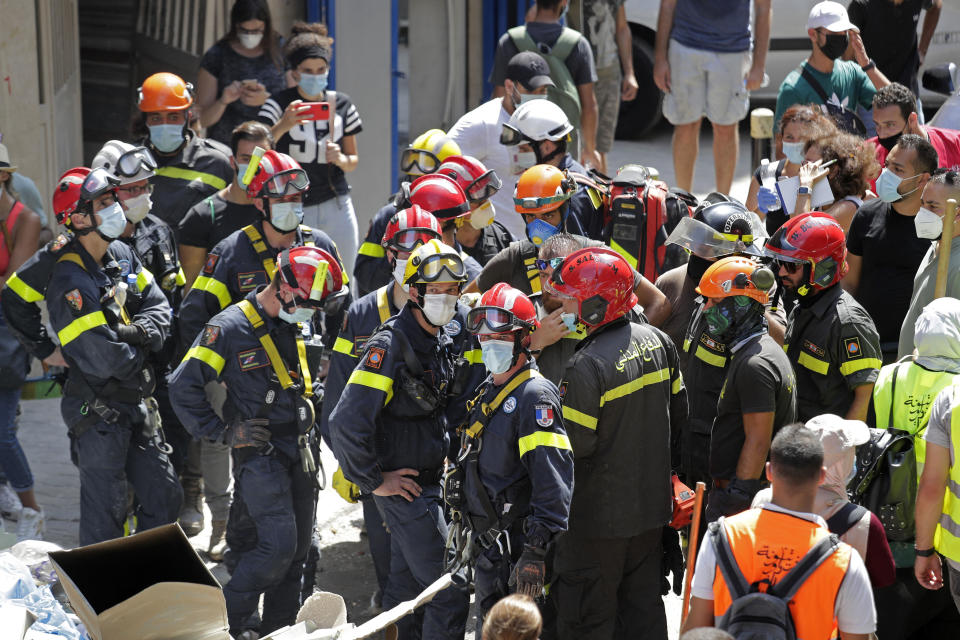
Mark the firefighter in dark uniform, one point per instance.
(759, 391)
(256, 349)
(108, 325)
(390, 434)
(190, 168)
(831, 340)
(623, 404)
(515, 465)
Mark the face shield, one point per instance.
(706, 242)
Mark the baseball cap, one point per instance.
(831, 16)
(838, 435)
(530, 70)
(5, 160)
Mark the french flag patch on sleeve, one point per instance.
(544, 415)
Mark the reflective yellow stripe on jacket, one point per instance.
(581, 418)
(372, 250)
(84, 323)
(215, 288)
(179, 173)
(543, 439)
(209, 356)
(374, 381)
(344, 346)
(22, 289)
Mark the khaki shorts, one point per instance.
(607, 89)
(706, 83)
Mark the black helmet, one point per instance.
(720, 227)
(727, 217)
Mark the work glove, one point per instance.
(530, 572)
(671, 561)
(344, 488)
(730, 501)
(767, 199)
(131, 334)
(251, 433)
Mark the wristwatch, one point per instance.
(869, 66)
(803, 191)
(924, 553)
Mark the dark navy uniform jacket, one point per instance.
(234, 269)
(376, 426)
(156, 245)
(525, 448)
(78, 286)
(228, 351)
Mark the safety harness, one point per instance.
(528, 253)
(263, 251)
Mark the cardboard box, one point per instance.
(150, 586)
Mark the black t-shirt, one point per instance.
(889, 33)
(213, 219)
(306, 142)
(759, 380)
(774, 219)
(891, 251)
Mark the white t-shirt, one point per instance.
(854, 605)
(478, 134)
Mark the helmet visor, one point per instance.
(134, 161)
(286, 183)
(484, 186)
(779, 240)
(510, 135)
(487, 320)
(96, 184)
(536, 203)
(418, 161)
(705, 241)
(410, 239)
(442, 267)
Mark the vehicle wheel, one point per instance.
(641, 114)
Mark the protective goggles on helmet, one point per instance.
(510, 135)
(410, 239)
(432, 268)
(285, 183)
(97, 182)
(132, 162)
(494, 320)
(484, 186)
(413, 160)
(536, 203)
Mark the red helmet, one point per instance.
(314, 274)
(440, 195)
(277, 175)
(600, 280)
(410, 228)
(66, 195)
(815, 240)
(478, 182)
(502, 309)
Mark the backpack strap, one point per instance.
(893, 394)
(817, 87)
(727, 564)
(787, 587)
(566, 43)
(521, 38)
(844, 519)
(528, 253)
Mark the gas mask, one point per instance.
(733, 318)
(539, 230)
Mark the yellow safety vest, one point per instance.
(946, 539)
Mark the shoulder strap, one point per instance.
(817, 87)
(263, 335)
(521, 38)
(260, 246)
(383, 304)
(893, 395)
(488, 409)
(74, 258)
(729, 569)
(528, 252)
(565, 43)
(788, 586)
(306, 233)
(848, 515)
(409, 357)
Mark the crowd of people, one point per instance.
(514, 370)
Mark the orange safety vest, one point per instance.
(766, 545)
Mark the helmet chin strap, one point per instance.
(544, 159)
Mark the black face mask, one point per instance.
(697, 266)
(835, 45)
(889, 142)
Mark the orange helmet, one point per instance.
(164, 92)
(736, 276)
(542, 188)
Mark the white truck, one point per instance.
(789, 45)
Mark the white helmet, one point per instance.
(126, 162)
(534, 121)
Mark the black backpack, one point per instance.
(886, 481)
(756, 615)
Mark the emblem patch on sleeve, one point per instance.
(210, 263)
(374, 359)
(59, 243)
(544, 415)
(210, 334)
(249, 280)
(852, 347)
(252, 359)
(562, 388)
(74, 299)
(509, 405)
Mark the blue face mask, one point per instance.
(887, 185)
(794, 152)
(569, 320)
(300, 314)
(497, 355)
(313, 85)
(112, 221)
(241, 169)
(167, 138)
(539, 230)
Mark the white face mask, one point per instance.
(440, 307)
(112, 221)
(522, 160)
(300, 314)
(250, 40)
(483, 215)
(139, 207)
(398, 269)
(285, 216)
(527, 97)
(928, 224)
(497, 355)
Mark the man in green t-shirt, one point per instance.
(845, 83)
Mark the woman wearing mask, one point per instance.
(240, 71)
(799, 124)
(19, 237)
(318, 128)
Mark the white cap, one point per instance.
(831, 16)
(838, 435)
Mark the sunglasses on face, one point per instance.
(552, 263)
